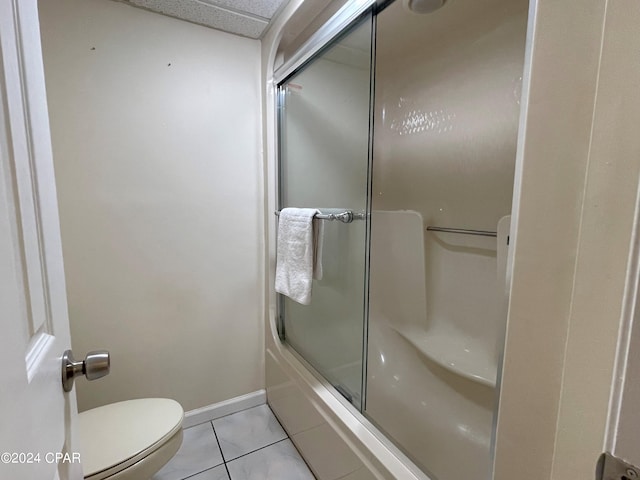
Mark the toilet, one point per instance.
(130, 440)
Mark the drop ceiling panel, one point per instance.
(249, 18)
(264, 8)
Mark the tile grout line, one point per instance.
(196, 474)
(257, 450)
(217, 443)
(224, 460)
(270, 445)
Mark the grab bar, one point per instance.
(483, 233)
(345, 217)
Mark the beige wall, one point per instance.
(156, 138)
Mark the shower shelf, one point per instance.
(451, 353)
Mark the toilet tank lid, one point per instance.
(114, 433)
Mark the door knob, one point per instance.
(95, 365)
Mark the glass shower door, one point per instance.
(446, 124)
(324, 112)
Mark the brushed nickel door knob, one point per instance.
(96, 365)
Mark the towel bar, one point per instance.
(483, 233)
(345, 217)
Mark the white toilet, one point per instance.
(130, 440)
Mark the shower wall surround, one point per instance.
(156, 141)
(430, 310)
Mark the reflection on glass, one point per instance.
(446, 116)
(324, 141)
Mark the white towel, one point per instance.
(299, 253)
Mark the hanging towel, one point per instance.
(299, 253)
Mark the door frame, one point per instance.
(573, 239)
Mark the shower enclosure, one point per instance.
(407, 124)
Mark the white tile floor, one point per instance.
(248, 445)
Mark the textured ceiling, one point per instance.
(248, 18)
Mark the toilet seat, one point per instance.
(129, 435)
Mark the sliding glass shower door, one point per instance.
(447, 98)
(409, 319)
(324, 112)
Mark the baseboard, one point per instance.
(226, 407)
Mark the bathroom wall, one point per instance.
(156, 139)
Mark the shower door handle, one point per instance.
(96, 365)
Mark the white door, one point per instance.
(36, 415)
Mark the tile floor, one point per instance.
(248, 445)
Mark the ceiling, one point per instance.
(249, 18)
